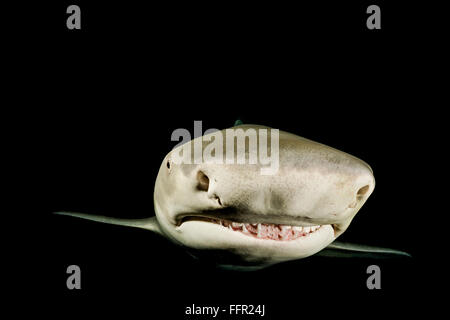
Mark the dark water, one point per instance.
(93, 118)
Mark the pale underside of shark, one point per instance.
(246, 219)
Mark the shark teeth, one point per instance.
(267, 231)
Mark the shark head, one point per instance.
(292, 213)
(256, 216)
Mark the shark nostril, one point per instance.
(359, 196)
(203, 181)
(362, 191)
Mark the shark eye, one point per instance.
(168, 164)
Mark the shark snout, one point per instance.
(350, 191)
(315, 185)
(259, 215)
(307, 196)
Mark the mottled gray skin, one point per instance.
(315, 185)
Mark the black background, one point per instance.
(94, 109)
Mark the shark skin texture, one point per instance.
(239, 218)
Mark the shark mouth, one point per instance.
(266, 231)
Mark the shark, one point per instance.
(239, 218)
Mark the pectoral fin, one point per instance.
(147, 223)
(351, 250)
